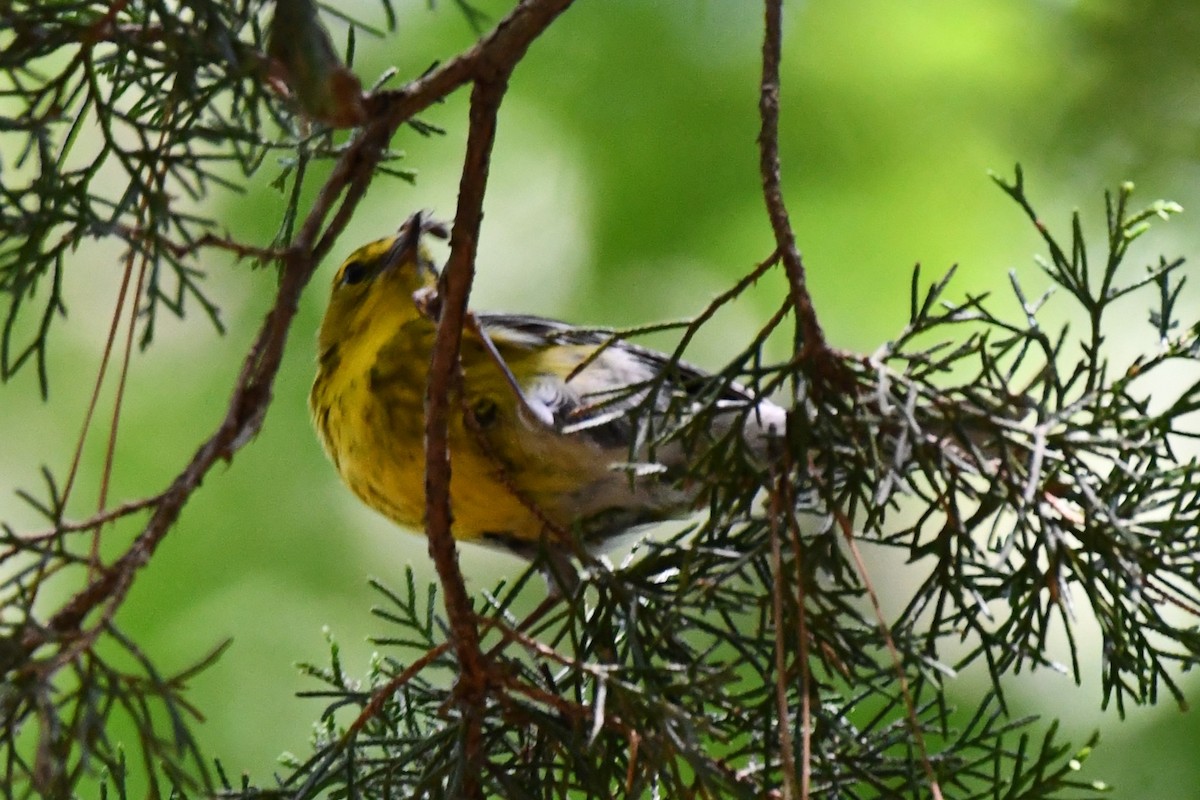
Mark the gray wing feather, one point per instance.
(597, 401)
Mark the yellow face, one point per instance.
(374, 287)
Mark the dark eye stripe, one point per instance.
(354, 272)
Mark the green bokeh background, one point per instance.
(625, 190)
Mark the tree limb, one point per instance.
(252, 392)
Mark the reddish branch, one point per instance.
(89, 524)
(811, 339)
(444, 381)
(495, 54)
(914, 724)
(794, 787)
(491, 81)
(812, 348)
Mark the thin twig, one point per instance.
(185, 249)
(153, 171)
(811, 340)
(806, 723)
(381, 695)
(118, 402)
(787, 748)
(240, 249)
(788, 499)
(103, 518)
(690, 326)
(100, 373)
(910, 708)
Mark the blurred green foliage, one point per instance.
(625, 190)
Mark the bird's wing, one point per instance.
(621, 377)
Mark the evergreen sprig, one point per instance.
(181, 99)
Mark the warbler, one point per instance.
(552, 432)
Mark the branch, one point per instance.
(794, 786)
(91, 523)
(811, 344)
(914, 723)
(252, 393)
(444, 382)
(490, 86)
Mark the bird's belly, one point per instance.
(511, 486)
(482, 502)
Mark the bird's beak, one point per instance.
(406, 247)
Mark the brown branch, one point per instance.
(241, 250)
(787, 749)
(381, 695)
(445, 382)
(788, 499)
(99, 383)
(253, 391)
(118, 403)
(811, 347)
(811, 344)
(491, 80)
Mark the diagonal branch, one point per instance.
(252, 393)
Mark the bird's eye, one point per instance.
(354, 272)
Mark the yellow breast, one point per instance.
(368, 406)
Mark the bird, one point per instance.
(560, 436)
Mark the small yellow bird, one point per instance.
(558, 432)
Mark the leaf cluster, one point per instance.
(178, 102)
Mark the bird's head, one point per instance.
(382, 284)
